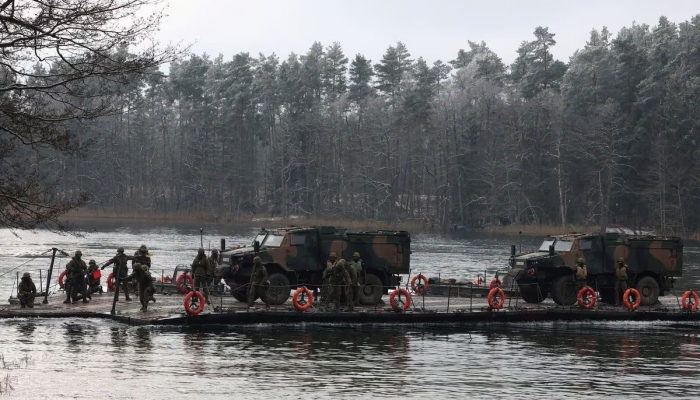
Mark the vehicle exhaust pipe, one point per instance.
(512, 250)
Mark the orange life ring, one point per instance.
(61, 276)
(626, 299)
(394, 302)
(420, 287)
(478, 281)
(180, 287)
(302, 305)
(110, 282)
(492, 295)
(494, 283)
(685, 300)
(590, 294)
(188, 306)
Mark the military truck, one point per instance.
(296, 256)
(653, 261)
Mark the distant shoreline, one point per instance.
(269, 222)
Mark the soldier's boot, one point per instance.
(30, 304)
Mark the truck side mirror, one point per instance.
(551, 249)
(256, 246)
(512, 250)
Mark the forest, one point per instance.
(609, 137)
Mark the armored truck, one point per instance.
(653, 261)
(297, 256)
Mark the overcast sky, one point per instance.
(433, 29)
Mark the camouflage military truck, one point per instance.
(296, 256)
(653, 263)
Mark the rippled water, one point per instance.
(100, 359)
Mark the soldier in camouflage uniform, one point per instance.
(75, 282)
(332, 259)
(200, 270)
(338, 278)
(141, 257)
(120, 269)
(350, 285)
(356, 264)
(213, 264)
(258, 283)
(620, 279)
(26, 291)
(581, 274)
(145, 284)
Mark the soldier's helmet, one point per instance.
(333, 254)
(200, 251)
(143, 249)
(92, 262)
(356, 255)
(137, 267)
(215, 252)
(26, 275)
(257, 260)
(620, 260)
(580, 260)
(78, 253)
(120, 250)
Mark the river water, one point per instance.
(101, 359)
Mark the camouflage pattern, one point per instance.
(141, 256)
(338, 282)
(302, 254)
(659, 258)
(145, 284)
(258, 284)
(75, 283)
(121, 269)
(26, 291)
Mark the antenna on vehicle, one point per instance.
(201, 237)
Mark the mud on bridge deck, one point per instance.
(169, 310)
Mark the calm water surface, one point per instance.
(101, 359)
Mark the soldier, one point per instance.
(337, 278)
(93, 284)
(120, 269)
(620, 279)
(326, 274)
(351, 283)
(200, 270)
(26, 291)
(76, 284)
(356, 264)
(141, 257)
(258, 283)
(581, 274)
(213, 264)
(145, 284)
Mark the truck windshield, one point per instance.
(545, 245)
(260, 238)
(563, 245)
(273, 240)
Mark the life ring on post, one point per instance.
(492, 295)
(495, 283)
(110, 282)
(422, 284)
(586, 298)
(188, 301)
(687, 304)
(62, 276)
(298, 300)
(395, 303)
(479, 281)
(183, 288)
(626, 299)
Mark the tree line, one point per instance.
(609, 137)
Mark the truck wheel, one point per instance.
(530, 294)
(648, 289)
(564, 291)
(278, 291)
(371, 290)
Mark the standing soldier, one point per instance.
(581, 274)
(258, 283)
(145, 284)
(141, 256)
(77, 269)
(26, 291)
(338, 278)
(356, 264)
(325, 289)
(120, 269)
(200, 269)
(213, 264)
(620, 280)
